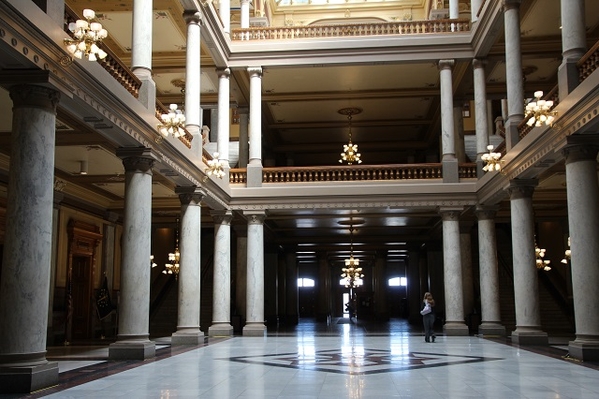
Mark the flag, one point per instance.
(103, 304)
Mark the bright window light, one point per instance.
(305, 282)
(398, 282)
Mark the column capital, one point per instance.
(190, 195)
(192, 17)
(255, 71)
(522, 188)
(484, 212)
(450, 213)
(445, 64)
(580, 149)
(222, 216)
(136, 159)
(255, 217)
(510, 4)
(223, 72)
(479, 62)
(25, 95)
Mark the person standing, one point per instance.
(428, 317)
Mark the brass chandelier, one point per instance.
(87, 35)
(172, 267)
(538, 112)
(352, 272)
(215, 167)
(350, 152)
(491, 159)
(173, 122)
(540, 260)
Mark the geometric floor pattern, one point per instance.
(360, 361)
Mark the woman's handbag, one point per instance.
(426, 310)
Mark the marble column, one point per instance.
(213, 134)
(526, 286)
(452, 273)
(467, 274)
(513, 70)
(474, 9)
(141, 52)
(28, 243)
(254, 168)
(221, 313)
(254, 325)
(193, 111)
(245, 13)
(458, 129)
(481, 119)
(241, 271)
(454, 9)
(134, 308)
(292, 313)
(583, 214)
(244, 145)
(224, 12)
(489, 274)
(573, 44)
(323, 307)
(222, 145)
(448, 160)
(414, 290)
(188, 309)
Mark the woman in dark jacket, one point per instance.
(428, 317)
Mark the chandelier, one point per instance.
(491, 159)
(87, 36)
(540, 260)
(350, 152)
(172, 267)
(538, 112)
(567, 253)
(352, 272)
(152, 263)
(173, 122)
(215, 167)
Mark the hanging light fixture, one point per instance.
(350, 152)
(152, 263)
(87, 35)
(173, 122)
(540, 260)
(172, 267)
(352, 272)
(215, 167)
(567, 254)
(538, 112)
(491, 159)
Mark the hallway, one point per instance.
(338, 360)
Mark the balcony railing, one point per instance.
(350, 30)
(589, 62)
(425, 171)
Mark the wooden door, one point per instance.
(82, 297)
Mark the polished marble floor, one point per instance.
(334, 360)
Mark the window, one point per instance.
(305, 282)
(397, 282)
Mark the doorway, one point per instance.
(82, 297)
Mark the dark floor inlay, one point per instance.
(367, 361)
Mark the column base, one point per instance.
(132, 350)
(455, 328)
(451, 173)
(491, 329)
(254, 330)
(26, 379)
(220, 329)
(529, 336)
(254, 175)
(584, 349)
(187, 337)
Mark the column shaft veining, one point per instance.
(221, 313)
(255, 275)
(513, 70)
(583, 213)
(141, 51)
(448, 159)
(193, 73)
(489, 275)
(28, 243)
(574, 46)
(223, 115)
(188, 306)
(480, 113)
(254, 168)
(526, 286)
(452, 273)
(134, 306)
